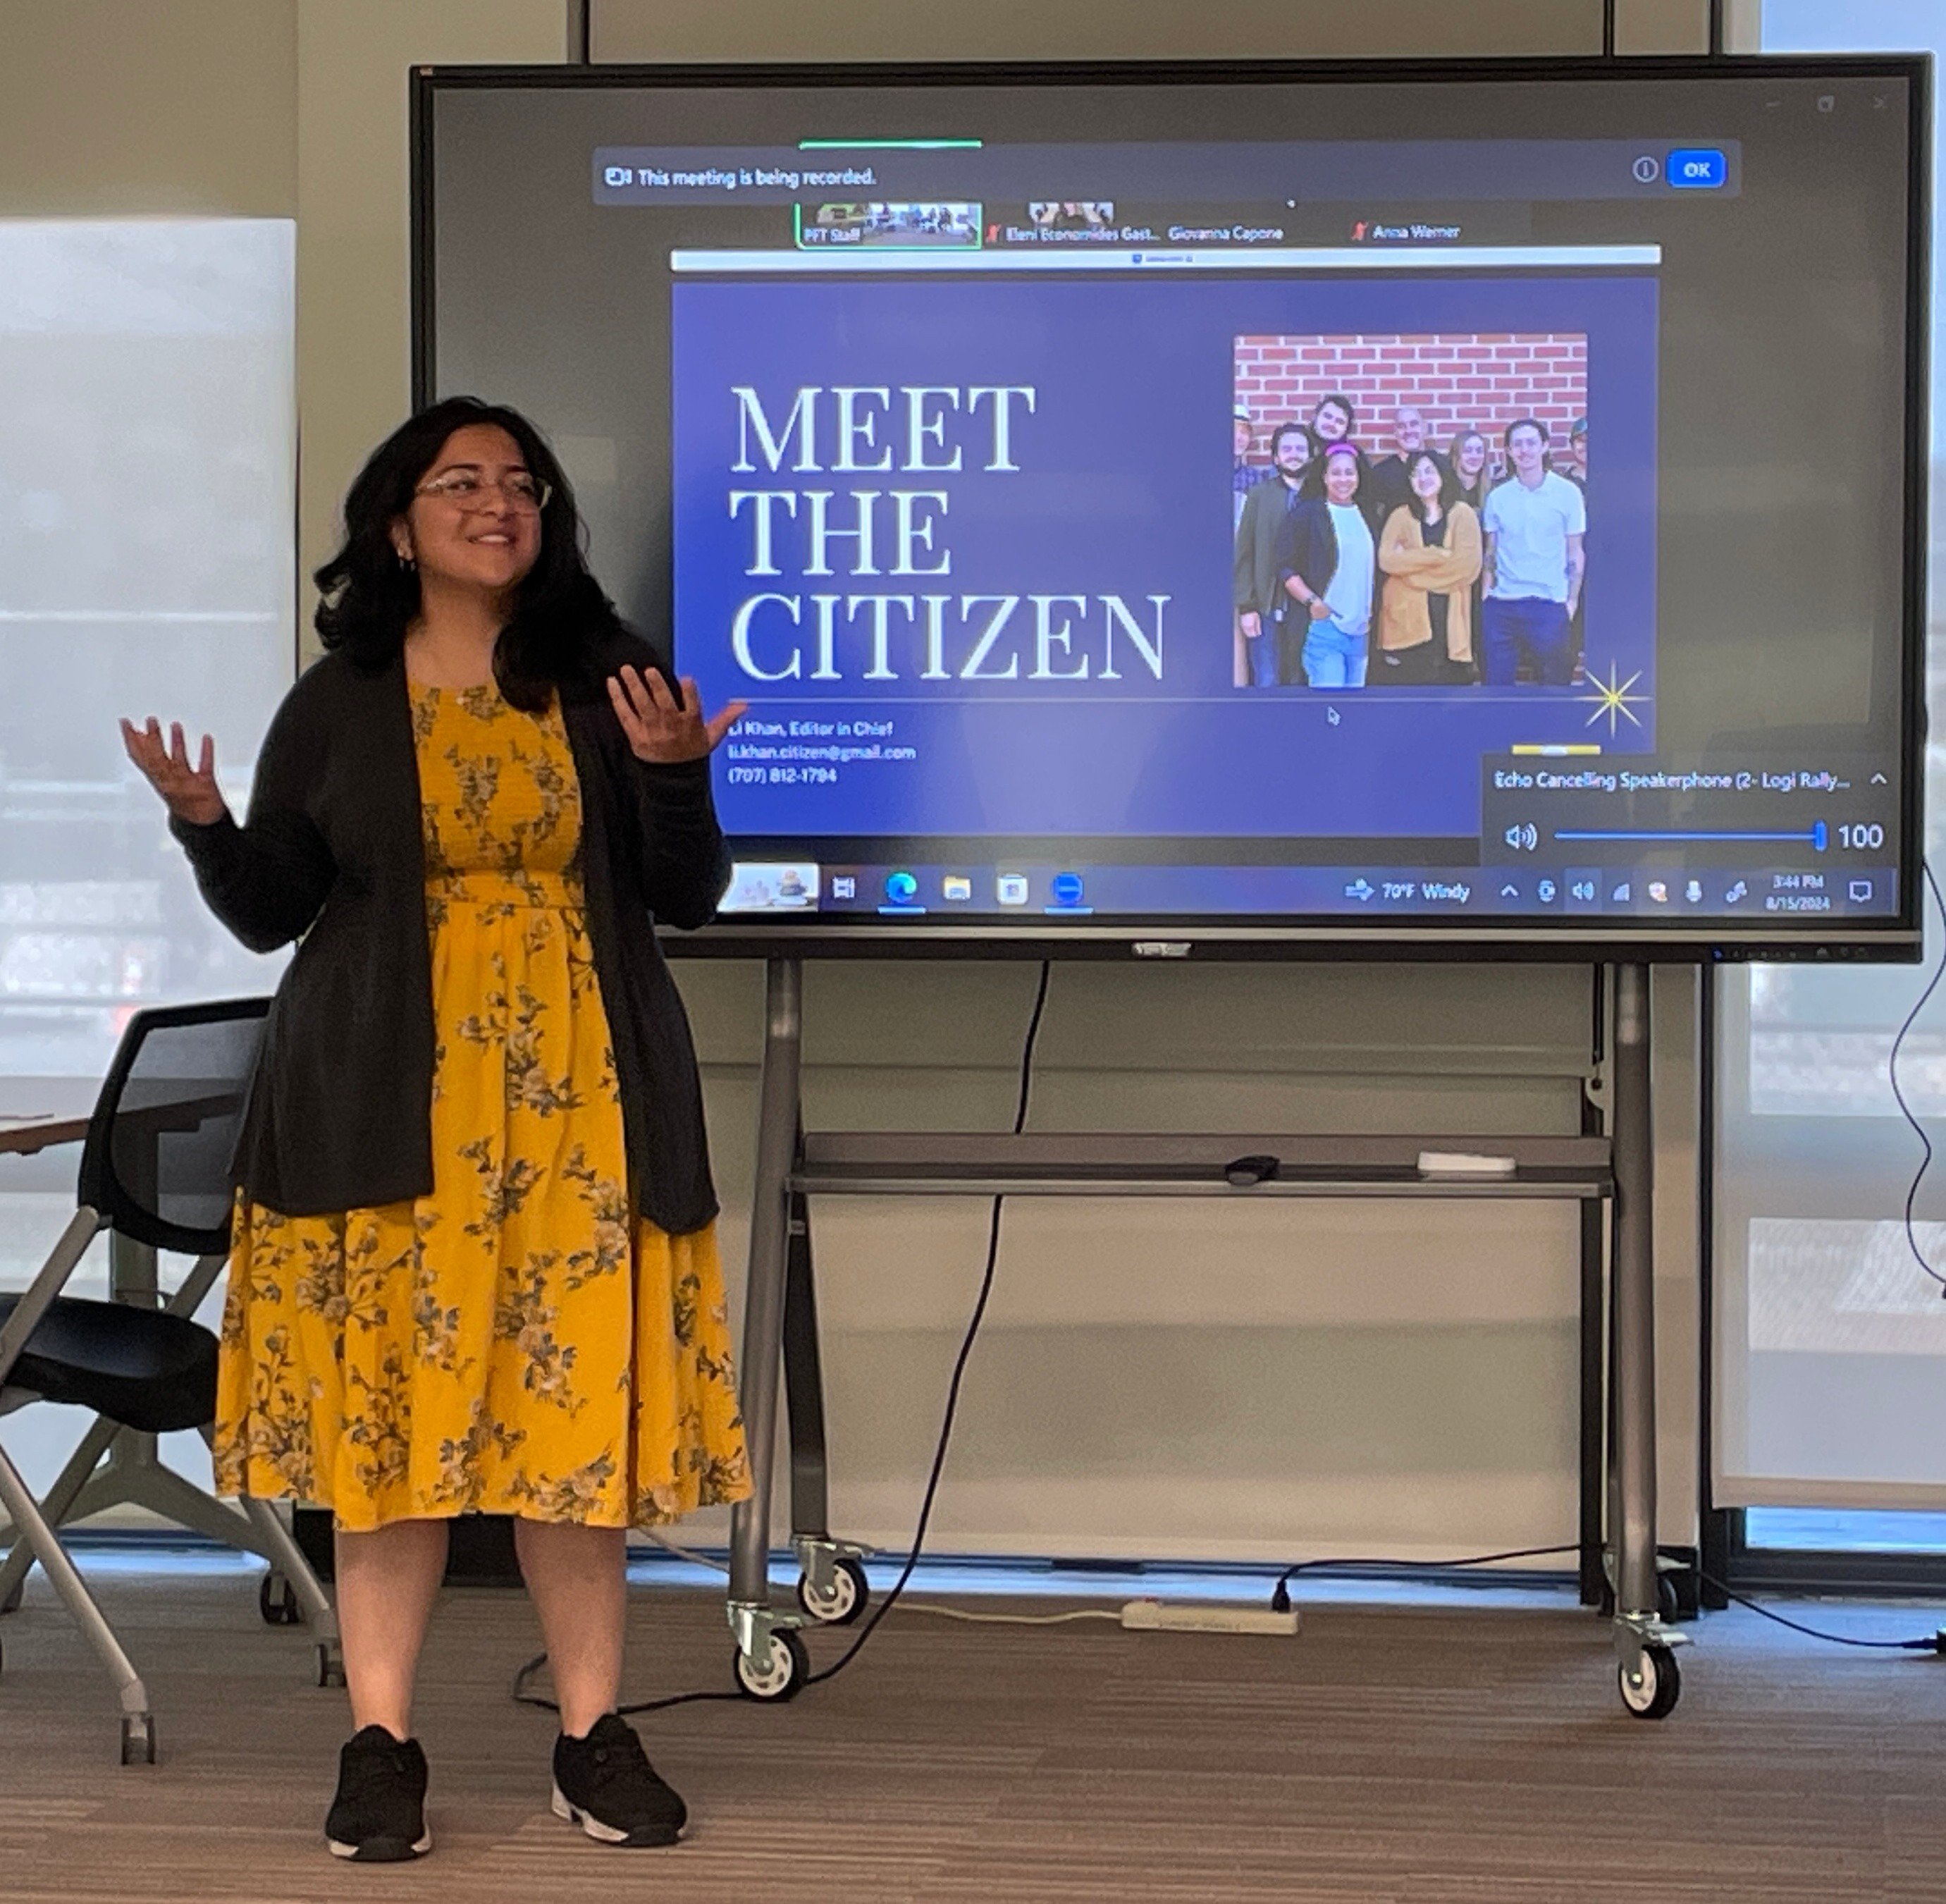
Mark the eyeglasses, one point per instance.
(520, 491)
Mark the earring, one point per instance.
(406, 561)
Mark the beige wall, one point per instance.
(1661, 27)
(1157, 1378)
(1114, 29)
(1087, 29)
(1683, 26)
(130, 106)
(354, 58)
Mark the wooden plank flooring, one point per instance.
(1385, 1756)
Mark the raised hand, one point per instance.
(188, 792)
(658, 731)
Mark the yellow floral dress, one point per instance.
(513, 1343)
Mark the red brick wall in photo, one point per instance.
(1460, 382)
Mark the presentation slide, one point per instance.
(969, 549)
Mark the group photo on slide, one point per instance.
(912, 528)
(1409, 511)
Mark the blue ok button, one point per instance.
(1697, 168)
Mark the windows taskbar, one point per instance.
(1019, 890)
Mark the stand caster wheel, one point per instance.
(1668, 1606)
(849, 1595)
(277, 1603)
(138, 1739)
(330, 1665)
(790, 1667)
(1654, 1694)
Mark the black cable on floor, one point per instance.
(522, 1696)
(1891, 1069)
(1281, 1593)
(1932, 1643)
(898, 1586)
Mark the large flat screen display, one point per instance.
(1259, 510)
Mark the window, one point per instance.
(1831, 1340)
(146, 567)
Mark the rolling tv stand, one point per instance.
(780, 1332)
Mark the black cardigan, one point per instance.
(338, 1116)
(1307, 546)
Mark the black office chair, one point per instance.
(155, 1173)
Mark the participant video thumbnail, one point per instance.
(1410, 511)
(767, 887)
(885, 223)
(1071, 214)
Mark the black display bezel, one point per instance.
(1579, 939)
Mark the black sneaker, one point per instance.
(379, 1817)
(605, 1784)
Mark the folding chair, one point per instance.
(155, 1173)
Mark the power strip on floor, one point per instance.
(1178, 1616)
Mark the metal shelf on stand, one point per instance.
(780, 1318)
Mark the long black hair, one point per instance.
(560, 617)
(1450, 489)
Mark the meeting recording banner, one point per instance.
(971, 549)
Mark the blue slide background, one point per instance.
(1123, 489)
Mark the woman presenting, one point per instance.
(474, 1266)
(1429, 555)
